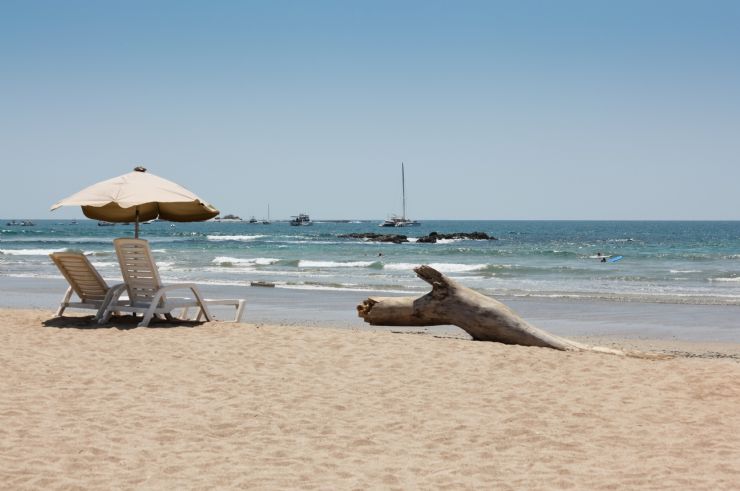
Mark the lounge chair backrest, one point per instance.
(139, 270)
(81, 275)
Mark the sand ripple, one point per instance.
(267, 407)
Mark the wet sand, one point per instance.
(564, 317)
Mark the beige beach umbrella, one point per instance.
(138, 196)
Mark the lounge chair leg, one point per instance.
(112, 292)
(239, 310)
(150, 311)
(147, 317)
(65, 302)
(203, 307)
(109, 308)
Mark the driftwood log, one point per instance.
(484, 318)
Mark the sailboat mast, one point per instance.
(403, 189)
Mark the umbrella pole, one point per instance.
(136, 226)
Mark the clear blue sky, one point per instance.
(500, 110)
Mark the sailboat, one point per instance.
(402, 221)
(267, 222)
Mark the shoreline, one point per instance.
(563, 317)
(676, 348)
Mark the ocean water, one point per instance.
(664, 262)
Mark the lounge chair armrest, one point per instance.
(190, 286)
(118, 286)
(237, 303)
(177, 286)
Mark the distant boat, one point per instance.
(105, 224)
(23, 223)
(267, 222)
(402, 221)
(252, 220)
(301, 220)
(228, 218)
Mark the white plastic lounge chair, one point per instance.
(147, 294)
(84, 281)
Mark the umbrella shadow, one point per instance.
(120, 322)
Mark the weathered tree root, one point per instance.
(484, 318)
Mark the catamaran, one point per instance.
(402, 221)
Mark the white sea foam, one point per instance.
(441, 267)
(241, 238)
(726, 280)
(230, 260)
(313, 242)
(334, 264)
(222, 282)
(104, 264)
(30, 252)
(400, 266)
(260, 261)
(71, 240)
(457, 268)
(101, 252)
(447, 241)
(684, 271)
(33, 275)
(366, 288)
(413, 239)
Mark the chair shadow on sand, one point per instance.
(120, 322)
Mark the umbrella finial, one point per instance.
(139, 168)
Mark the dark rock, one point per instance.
(429, 239)
(373, 237)
(433, 237)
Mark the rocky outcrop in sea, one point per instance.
(434, 237)
(373, 237)
(427, 239)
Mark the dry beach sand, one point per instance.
(287, 407)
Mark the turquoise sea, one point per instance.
(664, 262)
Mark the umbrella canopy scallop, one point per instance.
(139, 196)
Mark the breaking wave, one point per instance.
(237, 238)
